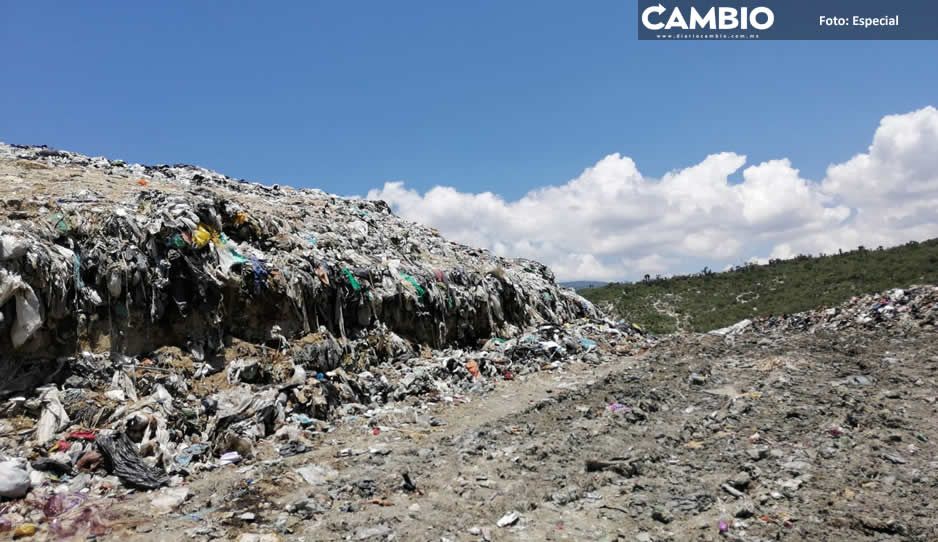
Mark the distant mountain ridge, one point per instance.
(581, 284)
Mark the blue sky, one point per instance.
(501, 96)
(555, 107)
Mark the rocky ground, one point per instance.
(824, 436)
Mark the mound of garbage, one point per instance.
(156, 321)
(915, 307)
(96, 251)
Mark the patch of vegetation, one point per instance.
(708, 300)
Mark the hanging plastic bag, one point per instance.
(204, 235)
(28, 313)
(351, 278)
(413, 282)
(53, 418)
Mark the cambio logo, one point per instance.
(716, 18)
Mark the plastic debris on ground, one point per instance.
(157, 322)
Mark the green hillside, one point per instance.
(708, 300)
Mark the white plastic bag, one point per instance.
(14, 479)
(12, 247)
(28, 312)
(53, 418)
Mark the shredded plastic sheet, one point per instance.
(121, 381)
(28, 312)
(351, 279)
(229, 257)
(53, 418)
(14, 479)
(59, 222)
(124, 461)
(12, 247)
(204, 235)
(413, 282)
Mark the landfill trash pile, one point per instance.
(779, 436)
(161, 321)
(93, 251)
(915, 307)
(192, 357)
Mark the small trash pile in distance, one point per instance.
(160, 321)
(915, 307)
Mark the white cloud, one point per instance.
(612, 222)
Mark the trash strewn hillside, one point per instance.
(707, 300)
(188, 356)
(904, 308)
(100, 253)
(161, 321)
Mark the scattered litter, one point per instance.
(24, 530)
(169, 498)
(509, 519)
(123, 460)
(229, 458)
(14, 479)
(316, 475)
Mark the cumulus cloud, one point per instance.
(613, 222)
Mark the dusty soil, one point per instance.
(804, 437)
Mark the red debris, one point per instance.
(81, 435)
